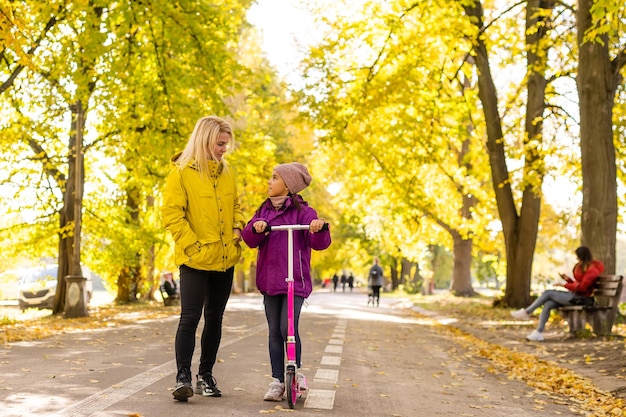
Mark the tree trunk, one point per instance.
(70, 214)
(155, 280)
(395, 280)
(409, 276)
(252, 276)
(127, 285)
(461, 273)
(520, 230)
(597, 82)
(462, 245)
(405, 270)
(130, 279)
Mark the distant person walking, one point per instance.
(335, 282)
(344, 281)
(201, 210)
(350, 281)
(375, 281)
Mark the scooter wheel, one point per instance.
(291, 384)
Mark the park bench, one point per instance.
(167, 300)
(601, 315)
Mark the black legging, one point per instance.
(208, 290)
(376, 292)
(276, 314)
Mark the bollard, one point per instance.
(75, 296)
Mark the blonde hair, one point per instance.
(199, 149)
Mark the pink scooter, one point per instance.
(291, 380)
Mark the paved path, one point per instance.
(359, 360)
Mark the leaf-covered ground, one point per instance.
(37, 324)
(589, 371)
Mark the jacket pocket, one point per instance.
(208, 255)
(233, 252)
(216, 254)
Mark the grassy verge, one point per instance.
(481, 309)
(37, 324)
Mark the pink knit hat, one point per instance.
(295, 176)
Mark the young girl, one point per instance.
(284, 206)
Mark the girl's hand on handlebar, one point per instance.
(259, 226)
(316, 225)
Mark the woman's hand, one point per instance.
(237, 235)
(566, 278)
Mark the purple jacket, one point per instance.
(271, 269)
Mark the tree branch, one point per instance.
(49, 25)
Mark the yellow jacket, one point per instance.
(201, 214)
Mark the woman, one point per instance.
(201, 211)
(585, 272)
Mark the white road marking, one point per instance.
(107, 397)
(333, 349)
(331, 360)
(327, 375)
(320, 398)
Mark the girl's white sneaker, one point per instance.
(535, 336)
(275, 391)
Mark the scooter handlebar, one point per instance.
(269, 228)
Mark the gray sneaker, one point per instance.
(207, 386)
(183, 389)
(520, 314)
(535, 336)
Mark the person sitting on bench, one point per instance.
(580, 288)
(170, 285)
